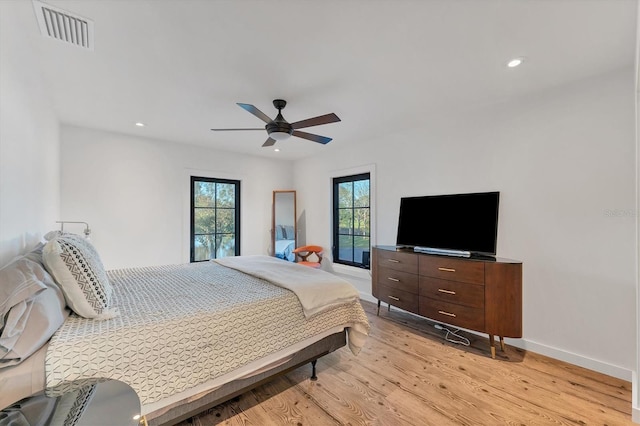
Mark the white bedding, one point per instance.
(23, 380)
(317, 290)
(182, 326)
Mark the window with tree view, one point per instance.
(215, 218)
(351, 220)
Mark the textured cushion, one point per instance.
(30, 321)
(77, 268)
(280, 233)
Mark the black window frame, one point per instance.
(336, 222)
(192, 233)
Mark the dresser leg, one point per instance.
(378, 314)
(502, 345)
(492, 343)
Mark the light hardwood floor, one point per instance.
(407, 375)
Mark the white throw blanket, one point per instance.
(317, 290)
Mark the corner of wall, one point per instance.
(635, 392)
(635, 409)
(29, 141)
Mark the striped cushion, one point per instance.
(77, 268)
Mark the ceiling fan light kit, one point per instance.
(279, 136)
(280, 129)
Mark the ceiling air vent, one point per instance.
(64, 26)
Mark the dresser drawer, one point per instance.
(400, 261)
(452, 269)
(451, 313)
(397, 279)
(401, 299)
(453, 291)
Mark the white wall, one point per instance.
(564, 162)
(29, 142)
(134, 193)
(635, 395)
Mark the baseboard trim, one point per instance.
(573, 358)
(555, 353)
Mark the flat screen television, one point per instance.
(455, 224)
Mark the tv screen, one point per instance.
(461, 222)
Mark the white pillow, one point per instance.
(76, 266)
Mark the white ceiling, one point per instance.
(179, 66)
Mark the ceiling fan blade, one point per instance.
(226, 130)
(255, 111)
(316, 121)
(312, 137)
(269, 142)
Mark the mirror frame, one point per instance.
(273, 219)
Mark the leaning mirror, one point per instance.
(283, 225)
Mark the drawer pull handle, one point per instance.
(446, 269)
(442, 290)
(449, 314)
(393, 279)
(393, 260)
(394, 298)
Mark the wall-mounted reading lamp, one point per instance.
(87, 230)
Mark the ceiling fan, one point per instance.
(279, 129)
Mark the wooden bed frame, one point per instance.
(190, 407)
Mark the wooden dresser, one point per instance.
(483, 295)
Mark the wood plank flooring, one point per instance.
(407, 375)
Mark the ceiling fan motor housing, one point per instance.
(279, 128)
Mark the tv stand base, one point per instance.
(430, 250)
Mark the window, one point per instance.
(351, 220)
(215, 218)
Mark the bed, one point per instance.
(187, 337)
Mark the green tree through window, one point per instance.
(215, 218)
(351, 219)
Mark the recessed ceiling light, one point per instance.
(140, 124)
(515, 62)
(277, 150)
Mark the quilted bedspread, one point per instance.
(182, 325)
